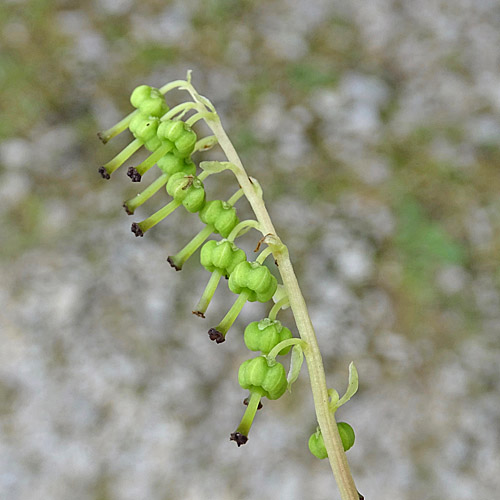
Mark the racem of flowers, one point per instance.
(169, 136)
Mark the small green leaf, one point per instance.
(295, 365)
(215, 167)
(352, 388)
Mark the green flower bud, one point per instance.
(188, 190)
(265, 334)
(186, 142)
(346, 434)
(171, 129)
(220, 215)
(172, 164)
(257, 376)
(317, 444)
(180, 134)
(254, 279)
(222, 256)
(149, 101)
(139, 94)
(143, 127)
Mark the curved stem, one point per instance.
(241, 228)
(182, 108)
(236, 196)
(277, 307)
(264, 255)
(326, 420)
(283, 345)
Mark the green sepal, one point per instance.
(222, 256)
(188, 190)
(255, 279)
(265, 334)
(220, 215)
(257, 376)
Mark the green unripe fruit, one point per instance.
(346, 434)
(188, 190)
(220, 215)
(139, 94)
(254, 279)
(180, 134)
(171, 129)
(143, 127)
(172, 164)
(222, 256)
(264, 335)
(185, 144)
(257, 376)
(317, 444)
(149, 101)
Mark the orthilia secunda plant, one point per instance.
(168, 135)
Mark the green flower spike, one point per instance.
(180, 258)
(220, 258)
(253, 282)
(186, 190)
(123, 124)
(261, 380)
(265, 334)
(317, 445)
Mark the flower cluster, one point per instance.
(172, 143)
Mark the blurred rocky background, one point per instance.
(374, 128)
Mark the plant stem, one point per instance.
(122, 156)
(158, 216)
(180, 258)
(326, 420)
(249, 415)
(143, 167)
(142, 197)
(277, 307)
(208, 293)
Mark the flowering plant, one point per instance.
(170, 138)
